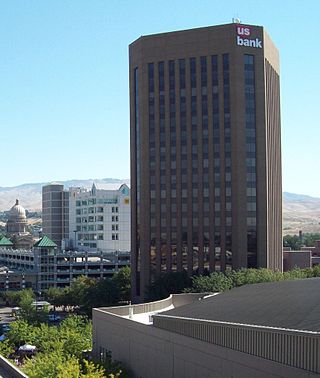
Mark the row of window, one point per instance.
(90, 219)
(249, 73)
(90, 210)
(84, 237)
(197, 165)
(93, 201)
(99, 218)
(99, 227)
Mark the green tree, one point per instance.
(309, 240)
(76, 294)
(52, 365)
(168, 283)
(47, 338)
(76, 334)
(6, 348)
(292, 241)
(122, 280)
(85, 293)
(104, 293)
(246, 276)
(54, 295)
(90, 370)
(70, 368)
(14, 297)
(28, 311)
(59, 349)
(21, 332)
(215, 282)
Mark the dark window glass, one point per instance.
(249, 73)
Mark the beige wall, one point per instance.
(151, 353)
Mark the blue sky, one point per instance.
(64, 107)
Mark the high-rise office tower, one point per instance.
(55, 212)
(205, 152)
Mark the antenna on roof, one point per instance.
(236, 20)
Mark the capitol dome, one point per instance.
(17, 220)
(17, 212)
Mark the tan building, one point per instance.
(55, 212)
(263, 330)
(205, 152)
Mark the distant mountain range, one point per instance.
(300, 212)
(29, 195)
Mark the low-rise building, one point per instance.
(47, 266)
(306, 257)
(262, 330)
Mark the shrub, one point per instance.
(246, 276)
(298, 273)
(215, 282)
(316, 271)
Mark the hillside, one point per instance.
(300, 212)
(29, 195)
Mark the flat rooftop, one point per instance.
(293, 304)
(146, 317)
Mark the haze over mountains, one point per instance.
(29, 195)
(300, 212)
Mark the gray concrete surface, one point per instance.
(4, 374)
(293, 304)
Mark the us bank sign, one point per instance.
(243, 37)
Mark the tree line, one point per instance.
(60, 350)
(295, 242)
(63, 350)
(81, 296)
(179, 282)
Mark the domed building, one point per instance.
(17, 220)
(16, 227)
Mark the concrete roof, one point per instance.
(293, 304)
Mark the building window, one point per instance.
(249, 74)
(227, 148)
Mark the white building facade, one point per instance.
(99, 219)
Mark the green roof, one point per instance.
(5, 242)
(45, 242)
